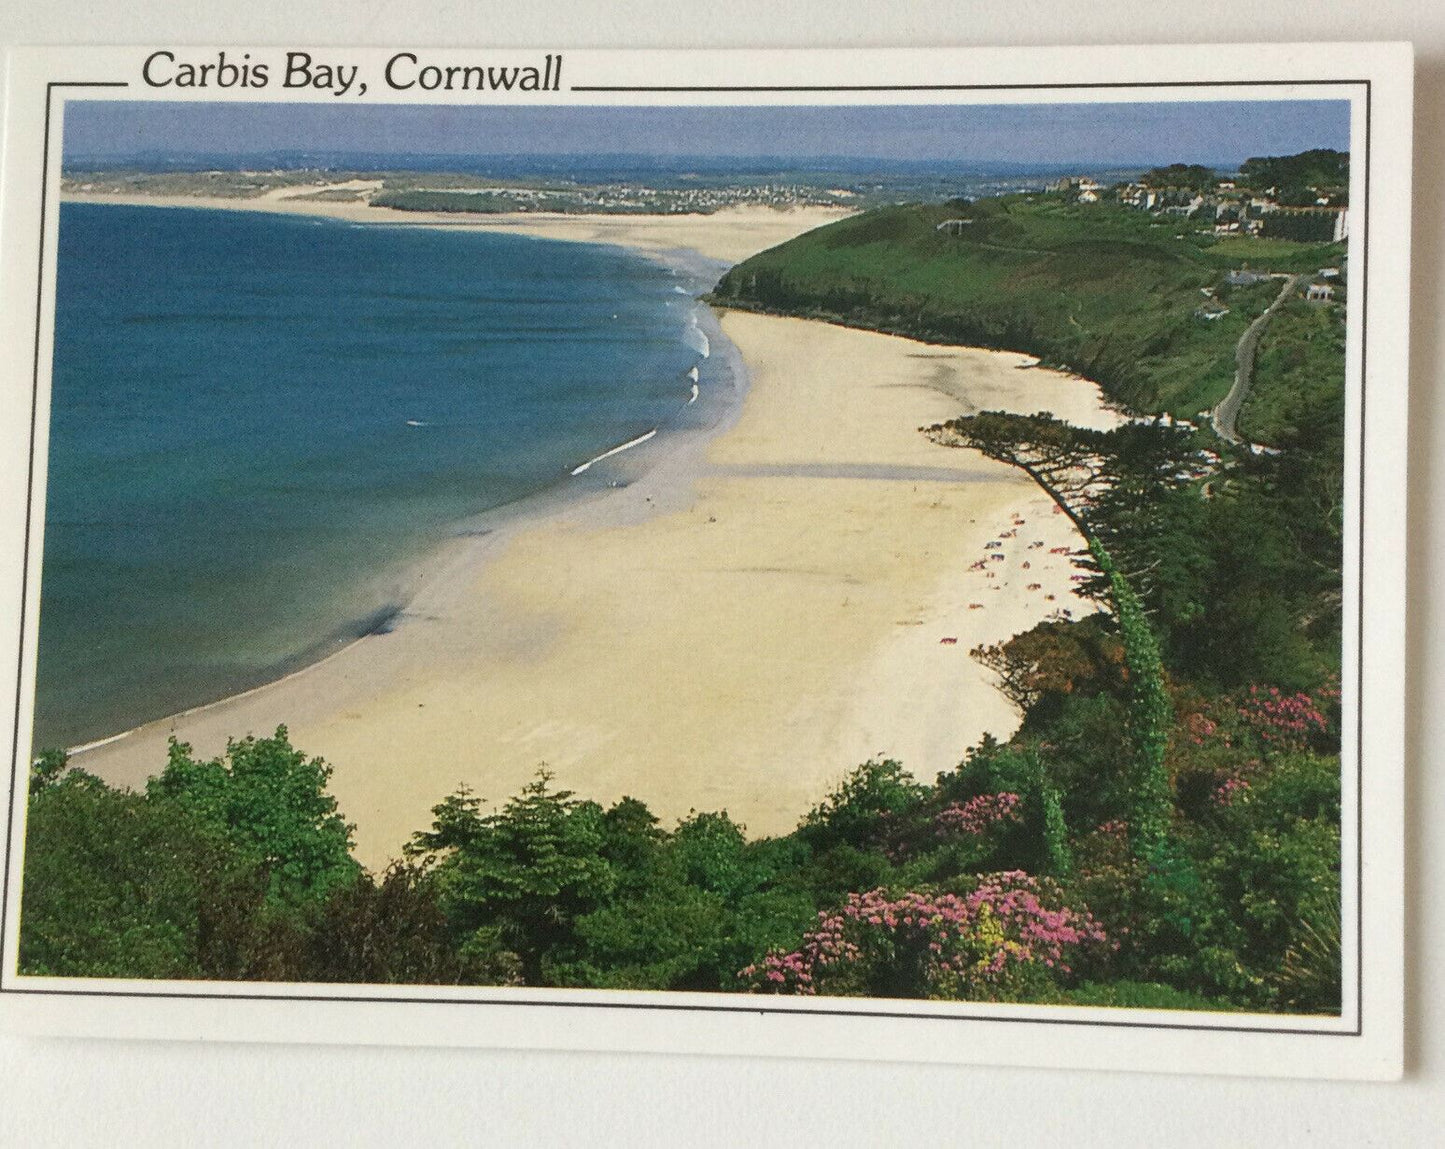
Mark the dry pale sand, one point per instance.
(736, 630)
(730, 235)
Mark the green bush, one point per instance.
(119, 885)
(271, 802)
(858, 810)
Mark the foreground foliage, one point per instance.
(1008, 879)
(1163, 830)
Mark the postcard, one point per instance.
(882, 554)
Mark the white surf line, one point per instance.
(96, 745)
(203, 707)
(696, 338)
(615, 451)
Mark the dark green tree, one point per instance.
(1079, 468)
(1193, 176)
(854, 812)
(119, 884)
(517, 881)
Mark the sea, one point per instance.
(260, 423)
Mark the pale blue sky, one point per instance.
(1121, 135)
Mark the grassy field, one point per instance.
(1299, 374)
(1109, 292)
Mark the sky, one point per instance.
(1104, 135)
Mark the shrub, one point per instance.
(990, 944)
(1034, 835)
(977, 815)
(855, 812)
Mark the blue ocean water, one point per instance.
(259, 420)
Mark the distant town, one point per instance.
(1303, 198)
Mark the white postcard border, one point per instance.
(1365, 1042)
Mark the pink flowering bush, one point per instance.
(1231, 790)
(977, 815)
(1224, 746)
(1284, 721)
(1008, 933)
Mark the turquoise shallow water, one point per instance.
(259, 421)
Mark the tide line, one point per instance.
(615, 451)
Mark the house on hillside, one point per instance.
(1087, 187)
(1320, 293)
(1245, 278)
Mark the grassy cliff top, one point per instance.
(1112, 293)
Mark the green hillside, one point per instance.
(1106, 291)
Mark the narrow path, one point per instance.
(1227, 412)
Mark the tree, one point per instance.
(385, 930)
(517, 881)
(1077, 468)
(1316, 168)
(119, 884)
(1055, 659)
(705, 905)
(853, 813)
(271, 801)
(1194, 176)
(47, 769)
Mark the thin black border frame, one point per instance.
(702, 1007)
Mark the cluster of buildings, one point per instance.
(1321, 287)
(1228, 208)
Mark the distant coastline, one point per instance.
(728, 235)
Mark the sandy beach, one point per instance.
(765, 608)
(730, 235)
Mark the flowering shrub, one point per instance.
(1230, 790)
(977, 814)
(1199, 728)
(919, 944)
(1283, 721)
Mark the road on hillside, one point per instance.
(1227, 412)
